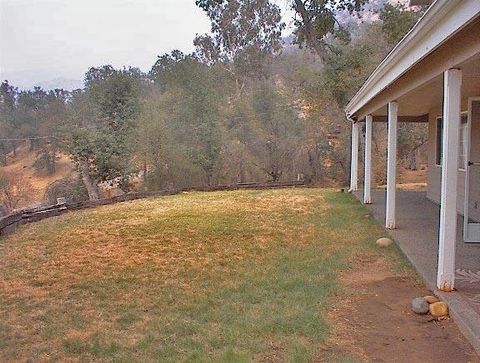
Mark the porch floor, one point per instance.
(417, 236)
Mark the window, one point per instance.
(462, 145)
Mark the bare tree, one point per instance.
(13, 189)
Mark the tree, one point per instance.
(46, 158)
(271, 130)
(50, 120)
(13, 190)
(8, 99)
(115, 94)
(72, 189)
(315, 20)
(8, 96)
(165, 70)
(98, 141)
(80, 145)
(244, 34)
(242, 107)
(397, 20)
(411, 137)
(348, 65)
(198, 121)
(194, 98)
(154, 139)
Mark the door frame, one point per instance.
(467, 174)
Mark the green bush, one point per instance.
(72, 189)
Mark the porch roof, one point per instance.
(441, 22)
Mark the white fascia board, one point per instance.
(443, 19)
(420, 2)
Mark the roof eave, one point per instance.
(431, 17)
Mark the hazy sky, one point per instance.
(45, 39)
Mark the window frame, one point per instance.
(439, 140)
(463, 143)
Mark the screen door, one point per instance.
(470, 158)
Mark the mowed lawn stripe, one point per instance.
(226, 276)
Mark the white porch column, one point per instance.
(391, 164)
(354, 162)
(452, 81)
(367, 198)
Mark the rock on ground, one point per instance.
(384, 242)
(438, 309)
(431, 299)
(419, 305)
(379, 326)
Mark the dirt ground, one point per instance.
(373, 322)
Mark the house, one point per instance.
(432, 75)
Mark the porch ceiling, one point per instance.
(429, 96)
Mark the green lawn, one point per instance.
(223, 276)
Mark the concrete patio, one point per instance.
(417, 236)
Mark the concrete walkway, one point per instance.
(417, 236)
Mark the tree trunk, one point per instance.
(209, 179)
(412, 162)
(3, 155)
(313, 169)
(90, 184)
(309, 31)
(275, 174)
(51, 159)
(145, 171)
(54, 161)
(241, 173)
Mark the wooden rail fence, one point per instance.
(10, 223)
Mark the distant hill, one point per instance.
(65, 83)
(46, 79)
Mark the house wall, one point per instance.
(434, 174)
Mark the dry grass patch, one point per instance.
(195, 277)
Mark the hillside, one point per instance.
(21, 166)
